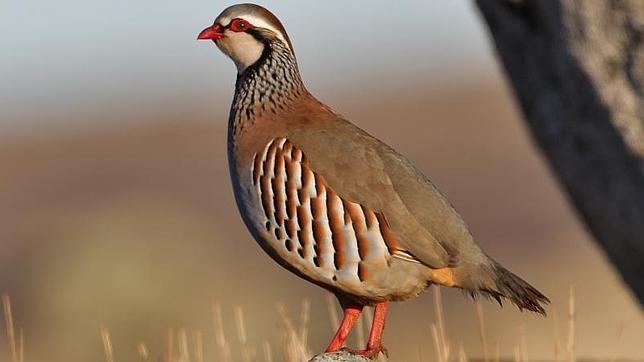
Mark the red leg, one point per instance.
(377, 327)
(351, 315)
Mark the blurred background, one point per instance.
(116, 208)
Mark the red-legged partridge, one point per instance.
(332, 203)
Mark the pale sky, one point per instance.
(72, 56)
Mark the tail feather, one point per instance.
(510, 286)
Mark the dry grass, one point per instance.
(439, 334)
(571, 325)
(16, 345)
(107, 345)
(189, 346)
(482, 333)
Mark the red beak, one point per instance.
(212, 32)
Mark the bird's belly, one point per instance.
(371, 277)
(307, 228)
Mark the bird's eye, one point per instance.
(239, 25)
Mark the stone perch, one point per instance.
(343, 356)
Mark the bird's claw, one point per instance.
(370, 353)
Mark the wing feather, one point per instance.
(364, 170)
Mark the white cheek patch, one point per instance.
(242, 48)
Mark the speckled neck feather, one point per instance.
(269, 85)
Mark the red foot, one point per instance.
(377, 326)
(374, 345)
(351, 315)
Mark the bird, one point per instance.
(332, 203)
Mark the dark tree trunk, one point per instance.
(577, 70)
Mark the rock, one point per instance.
(341, 356)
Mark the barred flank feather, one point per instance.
(518, 291)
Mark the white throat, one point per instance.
(242, 48)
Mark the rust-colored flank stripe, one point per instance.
(291, 227)
(291, 199)
(318, 243)
(307, 177)
(287, 148)
(265, 180)
(387, 235)
(270, 157)
(369, 216)
(291, 189)
(360, 227)
(362, 271)
(257, 166)
(370, 220)
(319, 184)
(304, 222)
(346, 216)
(297, 155)
(336, 224)
(291, 210)
(318, 208)
(279, 190)
(264, 184)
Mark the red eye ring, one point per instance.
(239, 25)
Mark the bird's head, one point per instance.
(244, 32)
